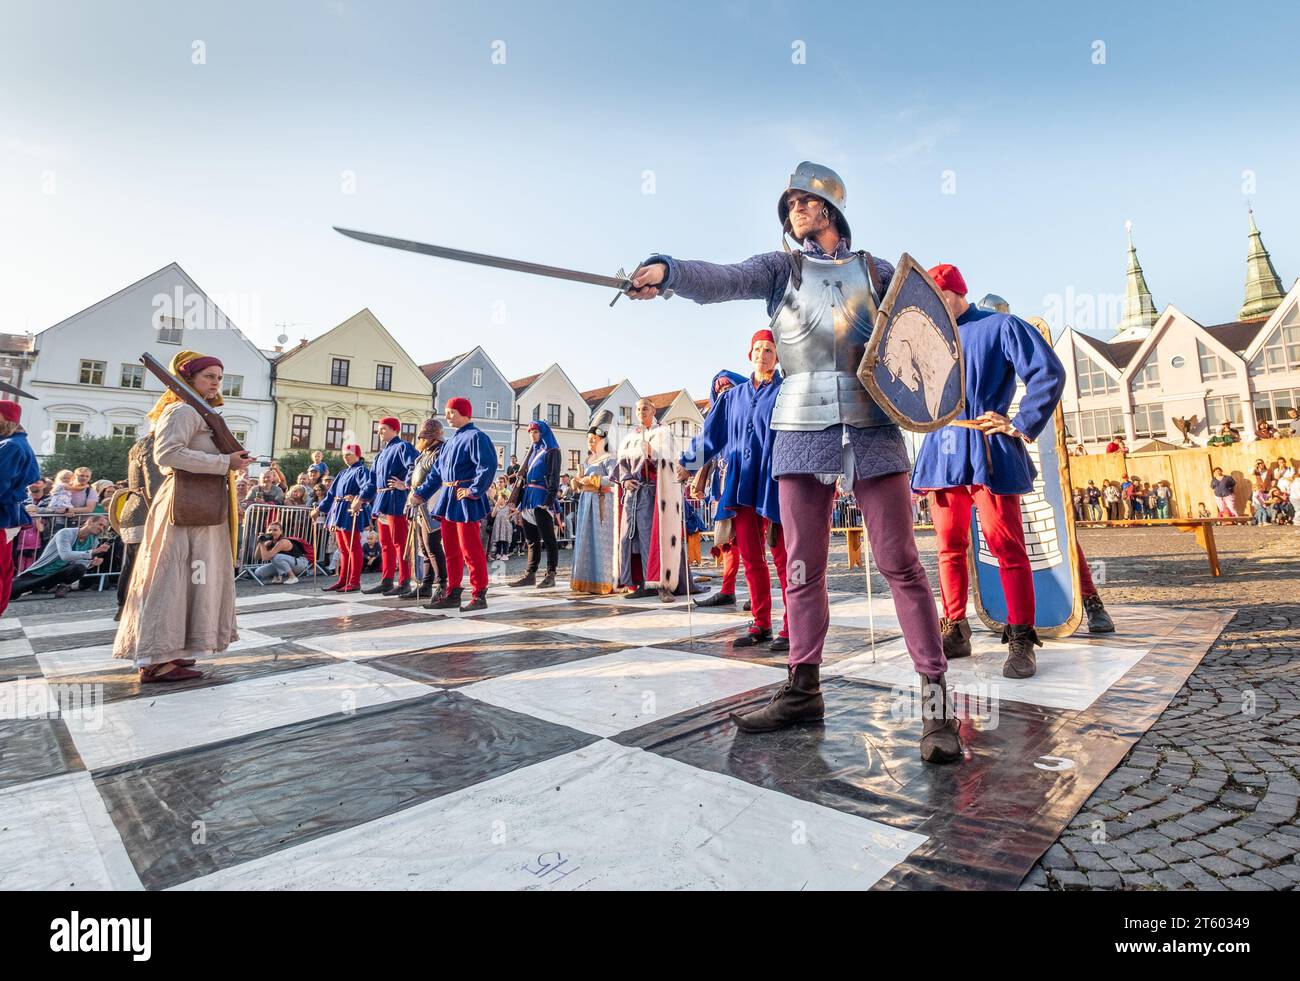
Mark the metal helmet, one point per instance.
(993, 303)
(823, 182)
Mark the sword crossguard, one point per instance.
(627, 285)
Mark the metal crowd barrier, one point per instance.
(295, 521)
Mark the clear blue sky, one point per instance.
(234, 168)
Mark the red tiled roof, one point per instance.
(519, 384)
(436, 368)
(595, 396)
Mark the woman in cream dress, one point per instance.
(180, 604)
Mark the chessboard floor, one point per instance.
(550, 742)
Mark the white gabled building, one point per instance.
(551, 396)
(89, 381)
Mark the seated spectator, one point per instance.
(282, 558)
(1116, 445)
(71, 553)
(1263, 430)
(1225, 437)
(1281, 470)
(369, 549)
(1280, 506)
(1201, 512)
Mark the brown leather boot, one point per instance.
(956, 637)
(940, 740)
(798, 700)
(1020, 641)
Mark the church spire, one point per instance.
(1139, 310)
(1263, 287)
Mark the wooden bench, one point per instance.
(1202, 527)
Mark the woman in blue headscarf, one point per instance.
(541, 483)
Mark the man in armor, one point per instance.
(822, 298)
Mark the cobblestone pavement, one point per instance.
(1207, 799)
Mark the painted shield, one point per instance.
(913, 363)
(1047, 516)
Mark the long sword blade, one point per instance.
(479, 259)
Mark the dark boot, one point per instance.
(384, 586)
(956, 637)
(1099, 621)
(394, 590)
(439, 591)
(450, 600)
(748, 604)
(718, 599)
(798, 700)
(478, 601)
(529, 578)
(1020, 652)
(548, 581)
(417, 591)
(779, 643)
(754, 637)
(641, 592)
(665, 595)
(940, 739)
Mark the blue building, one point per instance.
(476, 377)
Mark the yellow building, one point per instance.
(333, 390)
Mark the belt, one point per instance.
(538, 486)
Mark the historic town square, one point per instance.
(716, 447)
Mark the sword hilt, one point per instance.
(627, 285)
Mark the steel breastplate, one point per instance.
(822, 327)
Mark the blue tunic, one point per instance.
(739, 430)
(468, 459)
(18, 468)
(997, 347)
(541, 470)
(358, 481)
(394, 460)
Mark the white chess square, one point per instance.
(99, 658)
(604, 817)
(133, 729)
(356, 645)
(656, 626)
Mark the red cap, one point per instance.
(392, 423)
(759, 335)
(461, 405)
(192, 367)
(948, 277)
(353, 448)
(10, 411)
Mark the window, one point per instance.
(501, 455)
(570, 419)
(491, 410)
(408, 432)
(1100, 425)
(384, 377)
(1221, 409)
(1148, 376)
(64, 431)
(300, 433)
(1282, 350)
(552, 414)
(575, 459)
(537, 412)
(232, 386)
(339, 371)
(686, 427)
(334, 433)
(170, 330)
(126, 432)
(241, 436)
(625, 415)
(1212, 366)
(92, 373)
(476, 377)
(1093, 380)
(374, 437)
(1272, 406)
(133, 376)
(1149, 421)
